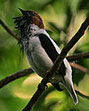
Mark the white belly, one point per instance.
(39, 60)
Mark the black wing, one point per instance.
(51, 51)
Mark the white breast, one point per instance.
(37, 57)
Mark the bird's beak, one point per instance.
(22, 11)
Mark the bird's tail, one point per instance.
(70, 88)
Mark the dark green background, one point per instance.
(62, 19)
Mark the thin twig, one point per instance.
(79, 67)
(82, 94)
(57, 63)
(15, 76)
(8, 30)
(78, 56)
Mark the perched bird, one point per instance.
(42, 51)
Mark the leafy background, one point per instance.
(62, 19)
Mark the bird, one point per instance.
(42, 51)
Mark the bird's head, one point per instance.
(25, 22)
(27, 18)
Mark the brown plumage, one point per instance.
(36, 19)
(29, 17)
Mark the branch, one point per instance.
(15, 76)
(82, 94)
(8, 30)
(79, 67)
(78, 56)
(28, 71)
(57, 63)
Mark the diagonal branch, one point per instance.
(15, 76)
(57, 63)
(8, 30)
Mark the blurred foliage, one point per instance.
(62, 18)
